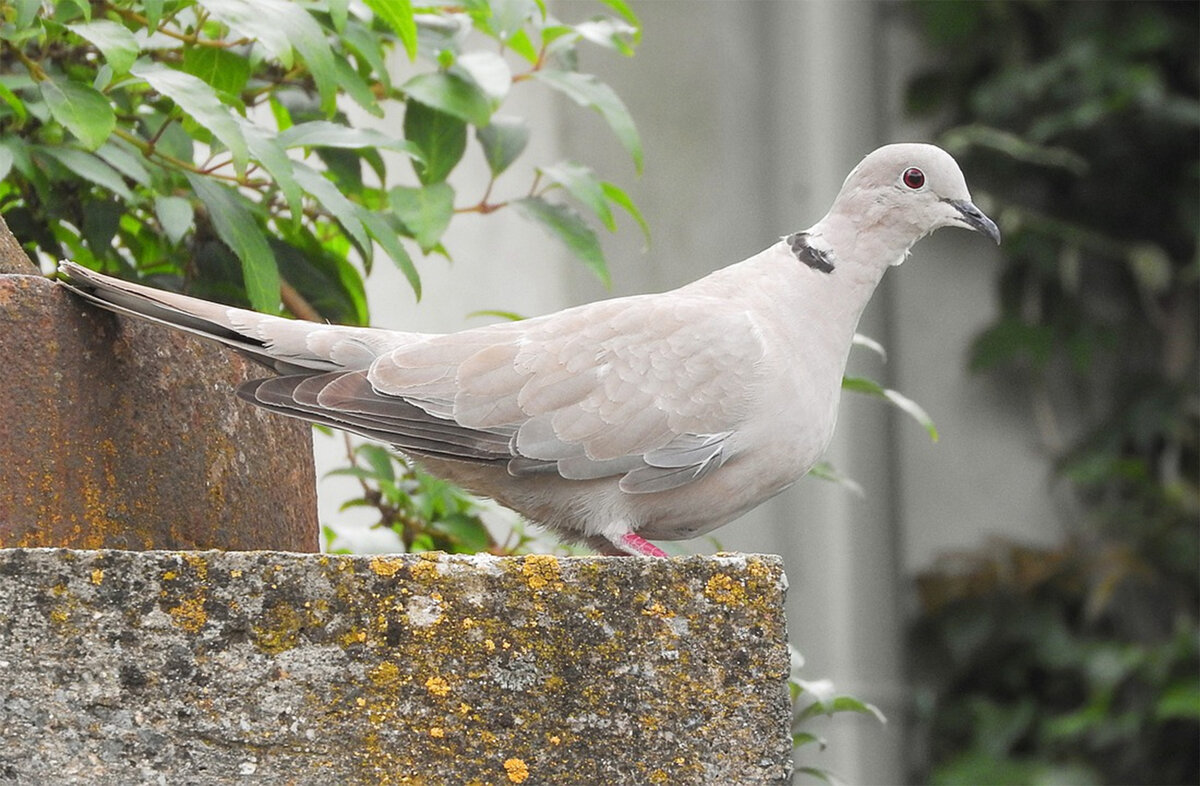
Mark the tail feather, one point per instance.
(287, 346)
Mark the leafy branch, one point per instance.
(131, 102)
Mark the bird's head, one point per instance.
(907, 191)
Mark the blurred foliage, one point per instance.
(208, 144)
(425, 512)
(1078, 664)
(812, 700)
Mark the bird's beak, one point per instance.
(974, 218)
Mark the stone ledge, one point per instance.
(273, 667)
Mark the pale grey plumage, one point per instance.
(648, 416)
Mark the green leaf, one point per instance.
(224, 69)
(14, 103)
(236, 225)
(267, 151)
(426, 212)
(385, 235)
(440, 137)
(1181, 700)
(174, 215)
(581, 183)
(382, 464)
(356, 87)
(823, 470)
(451, 94)
(6, 162)
(610, 33)
(398, 15)
(802, 738)
(339, 13)
(83, 6)
(197, 98)
(117, 155)
(618, 197)
(818, 773)
(503, 140)
(280, 26)
(489, 72)
(323, 133)
(330, 198)
(509, 16)
(467, 534)
(851, 704)
(565, 224)
(510, 316)
(89, 167)
(26, 12)
(116, 43)
(900, 401)
(587, 90)
(520, 43)
(153, 10)
(624, 11)
(367, 45)
(81, 109)
(258, 21)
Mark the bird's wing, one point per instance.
(650, 388)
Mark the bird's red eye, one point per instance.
(914, 178)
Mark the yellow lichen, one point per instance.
(758, 570)
(189, 614)
(385, 566)
(386, 673)
(541, 571)
(197, 562)
(351, 637)
(437, 731)
(59, 616)
(437, 686)
(656, 609)
(518, 771)
(426, 569)
(97, 576)
(280, 630)
(724, 590)
(659, 776)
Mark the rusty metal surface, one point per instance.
(116, 434)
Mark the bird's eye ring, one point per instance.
(913, 178)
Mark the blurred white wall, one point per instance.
(751, 114)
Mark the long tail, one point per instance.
(287, 346)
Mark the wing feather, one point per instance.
(639, 388)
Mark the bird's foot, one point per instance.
(633, 544)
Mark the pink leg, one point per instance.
(636, 544)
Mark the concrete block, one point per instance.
(276, 668)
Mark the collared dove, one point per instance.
(656, 416)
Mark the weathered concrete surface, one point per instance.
(266, 667)
(121, 434)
